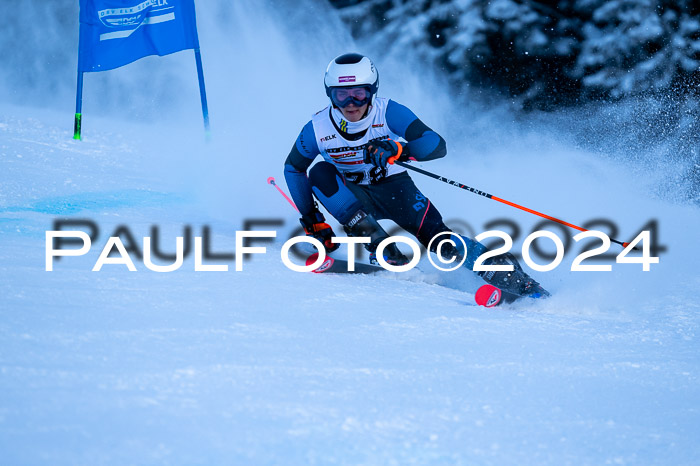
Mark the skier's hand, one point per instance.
(383, 152)
(315, 225)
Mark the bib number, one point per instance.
(371, 176)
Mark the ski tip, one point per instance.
(488, 296)
(311, 259)
(324, 267)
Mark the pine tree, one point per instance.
(542, 53)
(635, 46)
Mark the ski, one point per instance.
(332, 265)
(492, 296)
(487, 295)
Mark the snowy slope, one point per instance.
(269, 366)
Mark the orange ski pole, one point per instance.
(490, 196)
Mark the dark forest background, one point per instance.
(640, 56)
(544, 54)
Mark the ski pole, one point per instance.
(271, 180)
(490, 196)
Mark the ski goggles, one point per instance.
(344, 96)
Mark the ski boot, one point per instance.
(363, 224)
(456, 250)
(515, 282)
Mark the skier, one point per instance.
(360, 136)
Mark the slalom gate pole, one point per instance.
(77, 124)
(271, 180)
(202, 92)
(490, 196)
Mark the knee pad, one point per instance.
(328, 187)
(324, 177)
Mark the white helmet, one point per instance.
(351, 70)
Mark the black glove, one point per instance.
(385, 151)
(315, 225)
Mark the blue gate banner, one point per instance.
(114, 33)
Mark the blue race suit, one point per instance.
(343, 183)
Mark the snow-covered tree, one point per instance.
(540, 52)
(500, 44)
(633, 46)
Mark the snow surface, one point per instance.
(269, 366)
